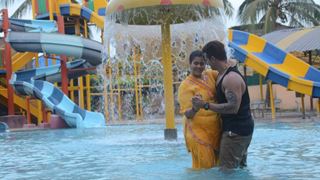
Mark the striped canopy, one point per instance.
(151, 12)
(295, 39)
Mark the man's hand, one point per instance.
(197, 102)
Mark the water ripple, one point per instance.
(278, 151)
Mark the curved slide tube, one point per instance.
(22, 25)
(73, 46)
(275, 64)
(27, 83)
(84, 12)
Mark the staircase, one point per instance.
(35, 106)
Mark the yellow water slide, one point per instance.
(19, 60)
(71, 9)
(275, 64)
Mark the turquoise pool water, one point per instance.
(278, 151)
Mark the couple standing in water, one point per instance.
(218, 125)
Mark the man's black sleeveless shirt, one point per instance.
(242, 122)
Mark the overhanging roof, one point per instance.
(289, 40)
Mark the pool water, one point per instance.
(278, 151)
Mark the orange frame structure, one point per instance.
(7, 61)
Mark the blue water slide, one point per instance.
(31, 82)
(24, 25)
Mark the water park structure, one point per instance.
(118, 92)
(35, 38)
(63, 16)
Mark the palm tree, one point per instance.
(22, 9)
(228, 8)
(295, 13)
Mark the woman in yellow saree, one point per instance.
(201, 127)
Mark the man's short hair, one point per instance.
(215, 49)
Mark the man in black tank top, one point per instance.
(233, 104)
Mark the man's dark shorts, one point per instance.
(233, 150)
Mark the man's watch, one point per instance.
(206, 106)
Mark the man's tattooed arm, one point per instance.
(234, 87)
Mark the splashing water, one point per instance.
(133, 54)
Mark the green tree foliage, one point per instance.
(295, 13)
(228, 8)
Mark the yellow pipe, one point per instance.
(81, 95)
(167, 73)
(28, 110)
(80, 79)
(261, 87)
(48, 116)
(106, 102)
(77, 27)
(136, 83)
(261, 94)
(88, 86)
(72, 90)
(140, 94)
(53, 60)
(273, 112)
(33, 9)
(111, 92)
(119, 94)
(40, 114)
(85, 29)
(51, 10)
(139, 85)
(88, 92)
(46, 61)
(105, 92)
(37, 60)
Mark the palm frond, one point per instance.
(243, 6)
(7, 3)
(297, 13)
(228, 8)
(295, 22)
(306, 12)
(252, 12)
(22, 9)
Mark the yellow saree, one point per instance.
(202, 132)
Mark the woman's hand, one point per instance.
(197, 102)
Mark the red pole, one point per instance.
(7, 57)
(28, 110)
(64, 70)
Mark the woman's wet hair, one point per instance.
(194, 54)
